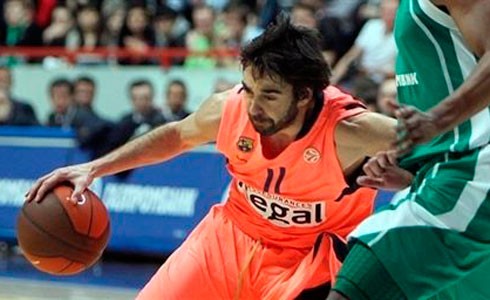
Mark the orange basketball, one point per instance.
(61, 238)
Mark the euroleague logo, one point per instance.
(311, 155)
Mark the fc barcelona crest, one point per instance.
(245, 144)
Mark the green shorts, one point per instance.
(435, 241)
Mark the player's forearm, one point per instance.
(472, 97)
(156, 146)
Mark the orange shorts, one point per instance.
(219, 261)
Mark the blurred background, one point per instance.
(79, 78)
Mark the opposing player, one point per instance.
(434, 242)
(293, 143)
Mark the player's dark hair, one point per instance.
(290, 52)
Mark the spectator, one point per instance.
(201, 38)
(113, 27)
(61, 24)
(374, 48)
(84, 95)
(90, 130)
(143, 117)
(14, 111)
(169, 28)
(387, 94)
(87, 35)
(19, 28)
(237, 31)
(304, 15)
(175, 102)
(137, 35)
(61, 96)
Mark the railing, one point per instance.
(164, 56)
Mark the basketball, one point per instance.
(61, 238)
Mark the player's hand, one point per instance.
(382, 172)
(78, 175)
(414, 127)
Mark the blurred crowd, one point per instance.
(356, 36)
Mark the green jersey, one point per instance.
(433, 61)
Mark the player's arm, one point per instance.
(362, 136)
(473, 95)
(156, 146)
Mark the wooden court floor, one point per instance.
(22, 289)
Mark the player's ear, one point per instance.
(304, 97)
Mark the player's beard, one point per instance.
(267, 126)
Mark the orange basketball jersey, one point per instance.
(291, 199)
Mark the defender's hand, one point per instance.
(382, 172)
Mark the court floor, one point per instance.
(114, 277)
(23, 289)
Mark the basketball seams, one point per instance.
(73, 226)
(29, 218)
(91, 213)
(66, 267)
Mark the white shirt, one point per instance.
(378, 49)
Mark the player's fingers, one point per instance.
(47, 185)
(77, 194)
(404, 148)
(372, 168)
(405, 112)
(382, 160)
(412, 123)
(370, 182)
(31, 194)
(391, 155)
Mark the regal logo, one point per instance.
(282, 211)
(245, 144)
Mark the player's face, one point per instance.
(270, 102)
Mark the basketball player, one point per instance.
(434, 242)
(293, 145)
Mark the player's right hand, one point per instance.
(78, 175)
(382, 172)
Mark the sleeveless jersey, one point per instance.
(291, 199)
(433, 61)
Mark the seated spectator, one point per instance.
(143, 117)
(174, 108)
(235, 32)
(84, 95)
(87, 35)
(201, 38)
(387, 94)
(137, 35)
(19, 28)
(61, 24)
(304, 15)
(112, 28)
(90, 129)
(170, 30)
(374, 48)
(14, 111)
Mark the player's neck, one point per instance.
(275, 144)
